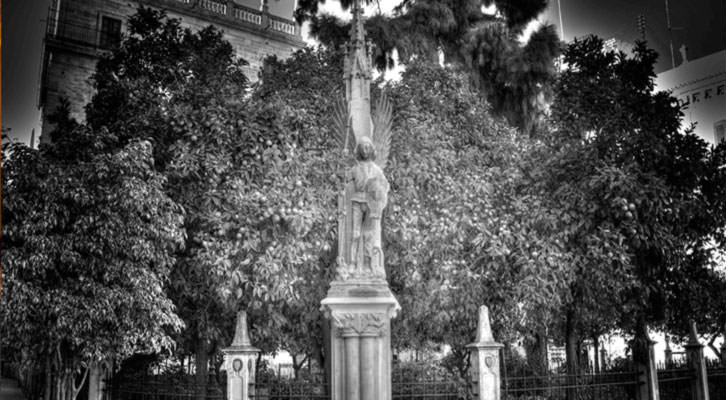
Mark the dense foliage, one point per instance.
(457, 232)
(253, 192)
(512, 76)
(647, 201)
(88, 245)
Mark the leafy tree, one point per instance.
(255, 198)
(513, 77)
(645, 201)
(461, 232)
(87, 249)
(445, 242)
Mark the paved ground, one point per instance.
(9, 390)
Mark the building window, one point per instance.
(719, 130)
(110, 33)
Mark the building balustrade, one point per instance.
(248, 15)
(214, 6)
(281, 25)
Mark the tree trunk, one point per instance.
(537, 354)
(596, 352)
(202, 368)
(571, 353)
(297, 366)
(48, 390)
(66, 388)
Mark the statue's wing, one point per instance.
(382, 122)
(344, 137)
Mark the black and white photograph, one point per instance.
(363, 200)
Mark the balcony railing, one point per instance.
(282, 25)
(248, 15)
(79, 33)
(214, 6)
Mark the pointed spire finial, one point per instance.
(357, 75)
(241, 335)
(357, 33)
(484, 331)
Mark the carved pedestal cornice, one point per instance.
(359, 323)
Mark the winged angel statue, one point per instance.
(360, 255)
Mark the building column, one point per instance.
(485, 370)
(360, 314)
(239, 362)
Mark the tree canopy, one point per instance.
(513, 77)
(88, 245)
(645, 200)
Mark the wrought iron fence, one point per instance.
(271, 387)
(163, 391)
(674, 380)
(427, 381)
(585, 386)
(716, 380)
(431, 389)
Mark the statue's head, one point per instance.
(364, 150)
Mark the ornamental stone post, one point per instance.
(697, 363)
(485, 369)
(360, 315)
(668, 352)
(645, 362)
(239, 362)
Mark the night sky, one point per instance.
(701, 25)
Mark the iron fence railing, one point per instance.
(675, 383)
(163, 391)
(431, 389)
(717, 382)
(602, 385)
(271, 387)
(428, 381)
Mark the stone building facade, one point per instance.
(80, 31)
(700, 87)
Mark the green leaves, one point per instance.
(633, 183)
(86, 251)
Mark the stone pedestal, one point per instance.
(360, 315)
(648, 390)
(485, 369)
(239, 362)
(697, 363)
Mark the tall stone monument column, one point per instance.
(359, 304)
(239, 362)
(485, 360)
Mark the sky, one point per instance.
(700, 24)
